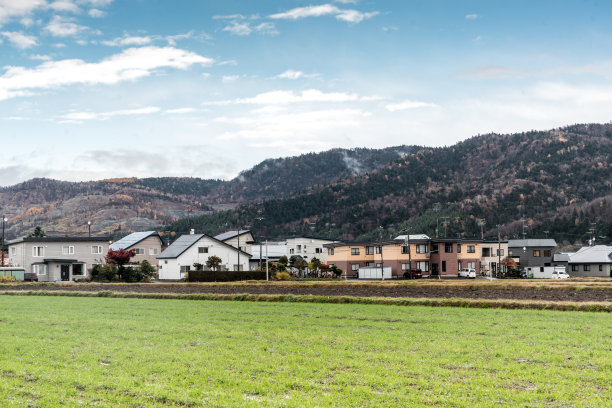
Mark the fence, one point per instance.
(224, 276)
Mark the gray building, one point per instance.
(58, 258)
(591, 261)
(531, 253)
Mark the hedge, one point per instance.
(224, 276)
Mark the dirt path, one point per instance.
(474, 292)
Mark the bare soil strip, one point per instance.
(566, 293)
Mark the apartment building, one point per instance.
(491, 254)
(308, 248)
(350, 256)
(450, 255)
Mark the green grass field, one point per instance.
(62, 351)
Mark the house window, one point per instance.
(600, 268)
(153, 251)
(291, 251)
(67, 250)
(184, 268)
(379, 265)
(458, 265)
(458, 248)
(369, 250)
(536, 252)
(434, 248)
(443, 266)
(574, 268)
(369, 264)
(354, 267)
(421, 249)
(448, 248)
(202, 250)
(500, 252)
(471, 265)
(13, 251)
(486, 252)
(586, 268)
(405, 249)
(422, 266)
(354, 251)
(299, 247)
(405, 267)
(38, 251)
(77, 269)
(378, 249)
(39, 269)
(547, 253)
(139, 251)
(318, 250)
(471, 249)
(330, 251)
(96, 249)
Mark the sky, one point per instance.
(94, 89)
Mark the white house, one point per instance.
(187, 250)
(308, 248)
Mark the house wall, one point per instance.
(489, 264)
(244, 238)
(527, 259)
(343, 259)
(452, 258)
(594, 270)
(171, 268)
(23, 256)
(396, 259)
(308, 248)
(149, 244)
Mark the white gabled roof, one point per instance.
(596, 254)
(230, 234)
(415, 237)
(131, 239)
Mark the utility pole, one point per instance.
(524, 228)
(382, 266)
(592, 232)
(260, 219)
(445, 223)
(189, 220)
(239, 248)
(498, 251)
(4, 220)
(267, 273)
(482, 223)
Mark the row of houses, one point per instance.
(71, 258)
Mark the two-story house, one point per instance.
(408, 253)
(58, 258)
(449, 255)
(532, 253)
(308, 248)
(241, 239)
(491, 254)
(350, 256)
(147, 245)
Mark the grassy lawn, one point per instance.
(61, 351)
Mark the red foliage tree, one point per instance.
(119, 257)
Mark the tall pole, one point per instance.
(238, 248)
(407, 241)
(498, 251)
(89, 229)
(4, 219)
(267, 273)
(382, 266)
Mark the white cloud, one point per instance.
(127, 41)
(78, 117)
(18, 8)
(406, 105)
(64, 27)
(244, 28)
(179, 111)
(20, 40)
(131, 64)
(64, 6)
(289, 97)
(351, 16)
(96, 13)
(291, 74)
(471, 16)
(229, 78)
(39, 57)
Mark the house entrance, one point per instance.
(65, 272)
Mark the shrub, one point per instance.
(103, 273)
(224, 276)
(6, 279)
(282, 276)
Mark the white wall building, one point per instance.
(178, 258)
(308, 248)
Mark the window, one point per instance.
(486, 252)
(318, 250)
(185, 268)
(378, 249)
(405, 249)
(96, 249)
(77, 269)
(471, 249)
(458, 248)
(13, 251)
(600, 268)
(330, 251)
(202, 250)
(586, 268)
(299, 247)
(443, 266)
(291, 250)
(458, 265)
(421, 249)
(422, 266)
(574, 268)
(471, 265)
(547, 253)
(500, 252)
(39, 269)
(379, 265)
(354, 267)
(369, 250)
(354, 251)
(38, 251)
(67, 250)
(536, 252)
(139, 251)
(405, 267)
(369, 264)
(448, 248)
(153, 251)
(434, 248)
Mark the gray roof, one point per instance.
(563, 257)
(595, 254)
(413, 237)
(58, 239)
(230, 234)
(184, 242)
(274, 250)
(519, 243)
(132, 239)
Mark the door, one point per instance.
(434, 269)
(65, 272)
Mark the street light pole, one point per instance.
(4, 219)
(238, 248)
(89, 229)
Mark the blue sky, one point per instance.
(91, 89)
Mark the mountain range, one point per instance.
(553, 183)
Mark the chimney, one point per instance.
(191, 231)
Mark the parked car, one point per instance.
(413, 274)
(30, 277)
(467, 273)
(560, 275)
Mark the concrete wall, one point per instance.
(308, 248)
(148, 244)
